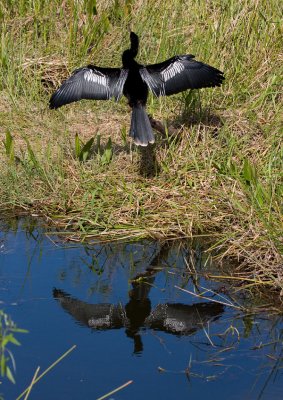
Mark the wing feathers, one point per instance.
(180, 73)
(90, 82)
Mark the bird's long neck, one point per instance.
(130, 54)
(134, 44)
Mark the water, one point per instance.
(170, 343)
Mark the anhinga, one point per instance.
(133, 80)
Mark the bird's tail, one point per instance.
(141, 130)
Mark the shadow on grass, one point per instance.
(190, 114)
(188, 118)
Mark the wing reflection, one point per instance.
(137, 314)
(177, 319)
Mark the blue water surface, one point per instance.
(118, 303)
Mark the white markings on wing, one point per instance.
(172, 70)
(118, 89)
(151, 81)
(96, 77)
(112, 85)
(156, 80)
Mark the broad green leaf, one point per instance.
(249, 173)
(84, 154)
(107, 154)
(9, 146)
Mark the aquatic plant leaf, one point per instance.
(10, 375)
(3, 364)
(10, 338)
(85, 151)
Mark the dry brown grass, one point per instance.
(193, 182)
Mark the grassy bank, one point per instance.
(218, 172)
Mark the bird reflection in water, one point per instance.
(137, 314)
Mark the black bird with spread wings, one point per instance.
(172, 76)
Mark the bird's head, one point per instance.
(129, 55)
(134, 43)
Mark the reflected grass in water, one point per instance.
(126, 293)
(220, 174)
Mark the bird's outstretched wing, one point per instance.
(90, 82)
(180, 73)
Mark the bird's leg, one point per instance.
(157, 125)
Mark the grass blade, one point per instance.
(47, 370)
(115, 390)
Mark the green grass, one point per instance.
(219, 173)
(8, 329)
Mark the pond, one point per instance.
(123, 306)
